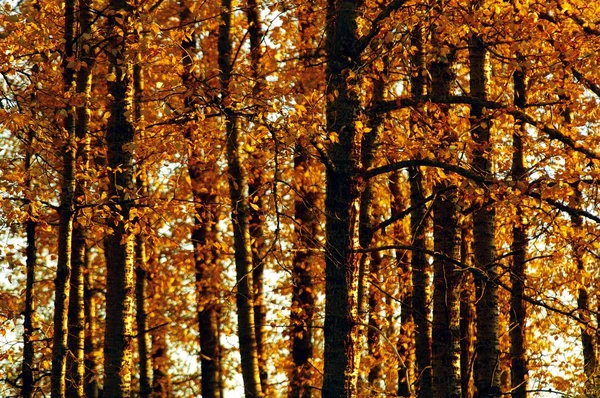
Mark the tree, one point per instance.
(120, 253)
(238, 189)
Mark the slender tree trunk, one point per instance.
(307, 245)
(161, 379)
(256, 193)
(420, 282)
(342, 202)
(76, 312)
(90, 356)
(141, 318)
(66, 215)
(28, 385)
(467, 315)
(366, 221)
(446, 302)
(518, 310)
(141, 257)
(587, 334)
(240, 216)
(374, 331)
(204, 235)
(406, 335)
(419, 265)
(120, 253)
(445, 347)
(487, 364)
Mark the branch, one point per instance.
(567, 209)
(554, 134)
(406, 102)
(477, 177)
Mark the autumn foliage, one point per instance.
(301, 198)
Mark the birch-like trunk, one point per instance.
(120, 253)
(487, 363)
(238, 191)
(445, 347)
(66, 215)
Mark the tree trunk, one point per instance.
(446, 301)
(76, 312)
(307, 232)
(420, 282)
(90, 356)
(141, 318)
(467, 314)
(406, 335)
(239, 216)
(487, 364)
(141, 257)
(445, 347)
(204, 234)
(28, 385)
(120, 253)
(518, 310)
(256, 193)
(66, 215)
(342, 202)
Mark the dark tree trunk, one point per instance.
(27, 374)
(141, 318)
(342, 202)
(204, 235)
(141, 258)
(120, 253)
(307, 232)
(420, 282)
(518, 309)
(419, 266)
(445, 347)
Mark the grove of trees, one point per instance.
(303, 198)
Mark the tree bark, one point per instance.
(445, 348)
(66, 215)
(120, 253)
(256, 182)
(518, 309)
(418, 227)
(307, 245)
(204, 235)
(141, 257)
(239, 216)
(487, 364)
(27, 374)
(91, 387)
(76, 311)
(467, 314)
(342, 202)
(446, 302)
